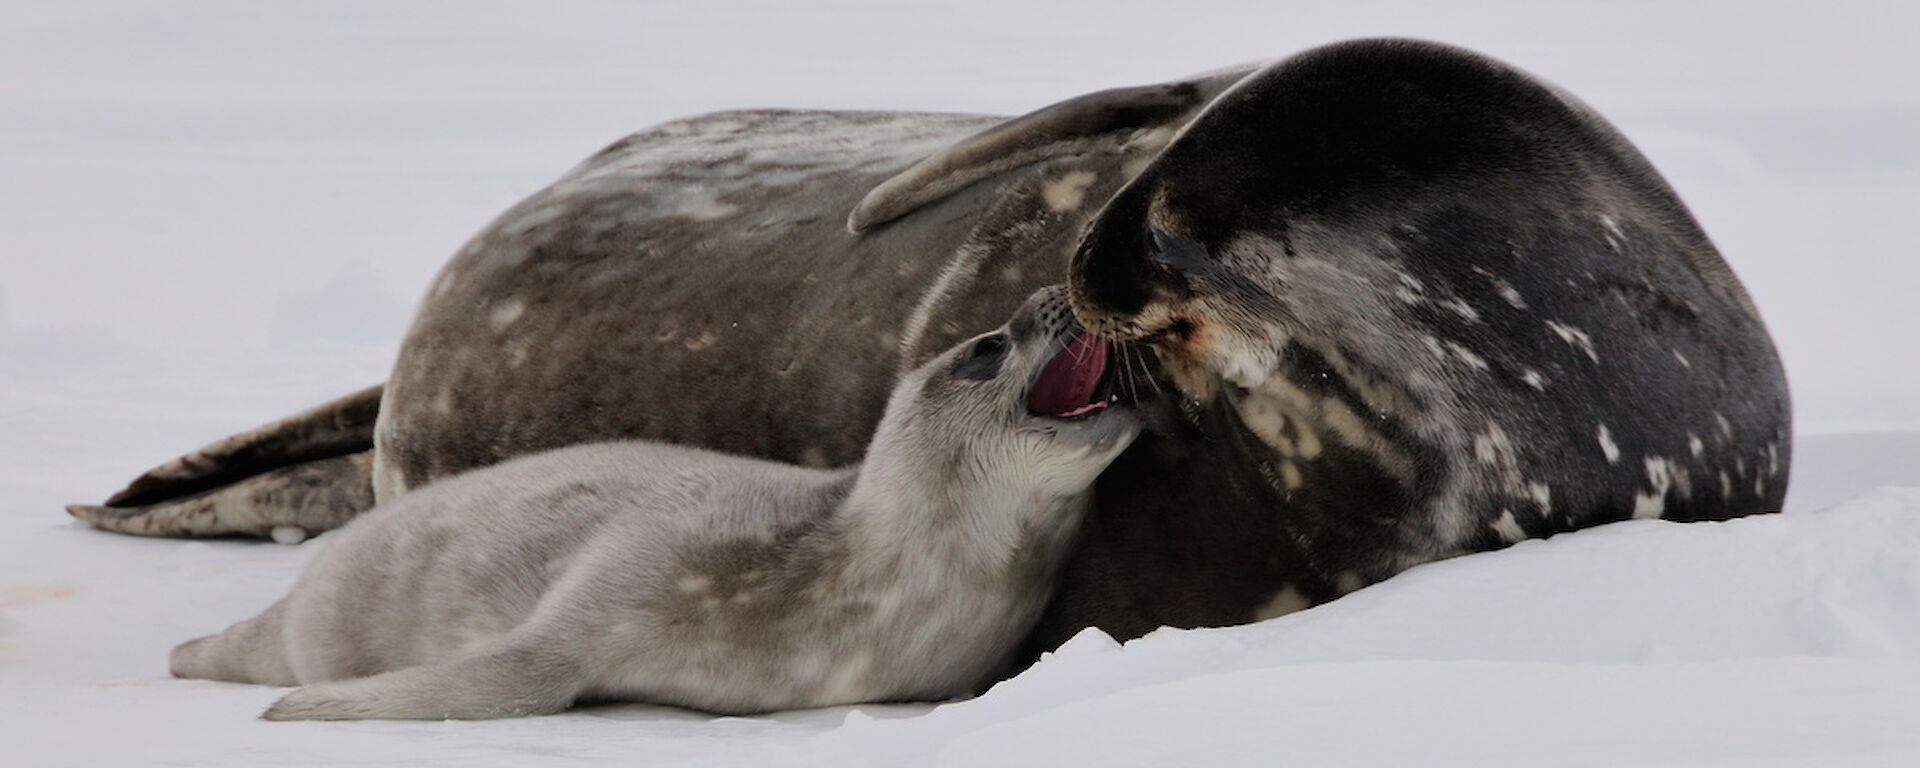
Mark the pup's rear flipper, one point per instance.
(505, 682)
(252, 651)
(298, 476)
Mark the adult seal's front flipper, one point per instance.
(1108, 122)
(290, 479)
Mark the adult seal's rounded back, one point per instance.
(1409, 303)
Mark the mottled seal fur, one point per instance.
(636, 570)
(1409, 303)
(1444, 308)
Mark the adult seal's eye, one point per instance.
(1177, 254)
(982, 360)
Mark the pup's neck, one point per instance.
(973, 515)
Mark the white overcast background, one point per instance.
(215, 213)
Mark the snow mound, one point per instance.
(1778, 640)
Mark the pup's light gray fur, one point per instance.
(643, 571)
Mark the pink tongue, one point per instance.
(1066, 385)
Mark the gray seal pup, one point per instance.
(1408, 303)
(673, 575)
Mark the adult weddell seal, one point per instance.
(637, 570)
(1403, 303)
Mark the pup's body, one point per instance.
(680, 576)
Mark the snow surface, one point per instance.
(214, 213)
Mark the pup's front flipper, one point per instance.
(513, 682)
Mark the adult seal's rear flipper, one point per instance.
(310, 471)
(287, 504)
(1111, 121)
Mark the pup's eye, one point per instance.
(989, 345)
(982, 361)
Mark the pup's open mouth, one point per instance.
(1073, 383)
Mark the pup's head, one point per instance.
(1028, 406)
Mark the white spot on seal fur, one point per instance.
(1507, 292)
(1509, 528)
(700, 203)
(1067, 191)
(1534, 379)
(1348, 581)
(1460, 308)
(1467, 356)
(1694, 445)
(1290, 474)
(1283, 602)
(694, 583)
(1541, 495)
(1409, 290)
(1647, 506)
(507, 312)
(1491, 445)
(1309, 439)
(1262, 415)
(1607, 446)
(1684, 362)
(1614, 236)
(1576, 337)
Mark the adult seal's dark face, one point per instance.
(1387, 191)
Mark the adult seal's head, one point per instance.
(1457, 283)
(1389, 166)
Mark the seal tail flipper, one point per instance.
(334, 428)
(287, 504)
(285, 469)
